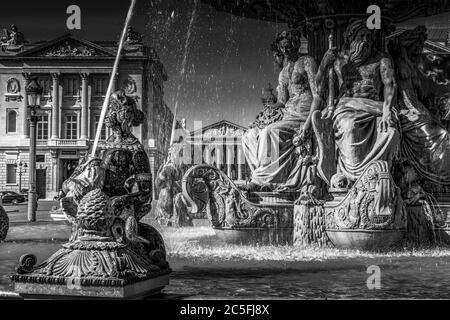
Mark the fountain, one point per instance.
(369, 203)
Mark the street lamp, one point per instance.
(22, 169)
(34, 92)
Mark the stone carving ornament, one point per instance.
(13, 90)
(374, 202)
(69, 49)
(13, 86)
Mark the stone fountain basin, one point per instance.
(255, 236)
(365, 239)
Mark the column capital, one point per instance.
(27, 76)
(54, 154)
(116, 75)
(55, 75)
(84, 75)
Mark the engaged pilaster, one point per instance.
(55, 106)
(84, 105)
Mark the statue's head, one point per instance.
(359, 41)
(287, 44)
(123, 113)
(13, 28)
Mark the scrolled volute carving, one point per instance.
(373, 203)
(207, 188)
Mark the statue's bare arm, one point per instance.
(311, 70)
(390, 86)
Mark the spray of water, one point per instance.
(187, 46)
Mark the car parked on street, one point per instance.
(12, 197)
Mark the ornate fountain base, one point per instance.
(442, 232)
(257, 219)
(365, 239)
(255, 236)
(137, 290)
(371, 215)
(97, 267)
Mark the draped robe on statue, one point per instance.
(270, 151)
(425, 141)
(357, 136)
(356, 122)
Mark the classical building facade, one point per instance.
(74, 74)
(220, 145)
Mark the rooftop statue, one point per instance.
(133, 41)
(104, 199)
(364, 120)
(270, 150)
(13, 38)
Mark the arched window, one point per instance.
(11, 125)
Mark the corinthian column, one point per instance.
(84, 106)
(240, 161)
(55, 106)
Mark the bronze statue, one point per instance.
(172, 208)
(105, 198)
(12, 38)
(364, 120)
(297, 98)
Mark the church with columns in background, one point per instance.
(74, 74)
(220, 145)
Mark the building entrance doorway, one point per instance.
(41, 183)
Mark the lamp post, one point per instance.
(34, 92)
(22, 169)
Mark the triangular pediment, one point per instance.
(220, 129)
(67, 46)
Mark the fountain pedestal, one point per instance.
(371, 215)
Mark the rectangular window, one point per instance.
(42, 128)
(46, 84)
(71, 86)
(100, 86)
(103, 131)
(71, 127)
(40, 158)
(10, 173)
